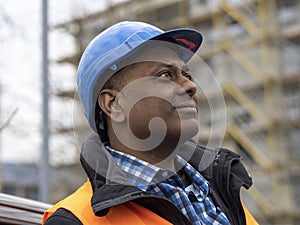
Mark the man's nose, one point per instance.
(187, 85)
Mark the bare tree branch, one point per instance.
(9, 119)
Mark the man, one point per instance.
(143, 164)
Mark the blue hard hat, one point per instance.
(100, 59)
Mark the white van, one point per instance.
(15, 210)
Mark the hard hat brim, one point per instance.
(187, 38)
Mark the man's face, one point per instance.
(160, 86)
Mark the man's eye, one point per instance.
(187, 75)
(166, 74)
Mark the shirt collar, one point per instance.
(143, 174)
(139, 172)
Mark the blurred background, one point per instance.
(252, 47)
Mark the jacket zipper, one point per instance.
(215, 193)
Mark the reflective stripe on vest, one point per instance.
(79, 203)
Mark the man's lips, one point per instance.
(186, 105)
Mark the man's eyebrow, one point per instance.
(183, 67)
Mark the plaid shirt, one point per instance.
(192, 200)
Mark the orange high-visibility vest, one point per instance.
(79, 203)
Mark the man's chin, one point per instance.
(189, 131)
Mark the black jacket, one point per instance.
(221, 167)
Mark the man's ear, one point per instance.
(110, 105)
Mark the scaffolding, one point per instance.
(253, 48)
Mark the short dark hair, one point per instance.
(116, 82)
(119, 79)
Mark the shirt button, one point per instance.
(165, 174)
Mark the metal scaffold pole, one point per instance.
(44, 185)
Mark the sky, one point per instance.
(20, 78)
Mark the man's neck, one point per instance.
(153, 157)
(162, 156)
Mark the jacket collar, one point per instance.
(99, 165)
(102, 169)
(110, 184)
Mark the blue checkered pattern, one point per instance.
(193, 200)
